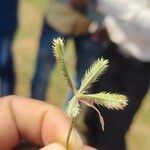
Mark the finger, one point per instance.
(35, 121)
(89, 148)
(54, 146)
(57, 146)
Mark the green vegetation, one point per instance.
(105, 99)
(25, 46)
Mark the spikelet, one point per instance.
(92, 74)
(58, 50)
(109, 100)
(73, 108)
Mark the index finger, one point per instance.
(35, 121)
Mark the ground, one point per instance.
(25, 49)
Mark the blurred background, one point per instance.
(24, 50)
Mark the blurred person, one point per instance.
(128, 25)
(45, 127)
(75, 19)
(8, 25)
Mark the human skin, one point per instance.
(39, 123)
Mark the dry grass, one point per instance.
(25, 46)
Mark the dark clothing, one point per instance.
(8, 16)
(8, 25)
(126, 76)
(7, 76)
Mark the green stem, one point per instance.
(69, 134)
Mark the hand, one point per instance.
(102, 35)
(98, 32)
(78, 4)
(37, 122)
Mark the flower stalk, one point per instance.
(105, 99)
(69, 134)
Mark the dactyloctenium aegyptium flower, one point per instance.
(105, 99)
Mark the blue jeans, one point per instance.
(7, 77)
(86, 50)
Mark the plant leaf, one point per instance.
(73, 108)
(111, 101)
(58, 50)
(92, 74)
(91, 104)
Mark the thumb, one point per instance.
(53, 146)
(57, 146)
